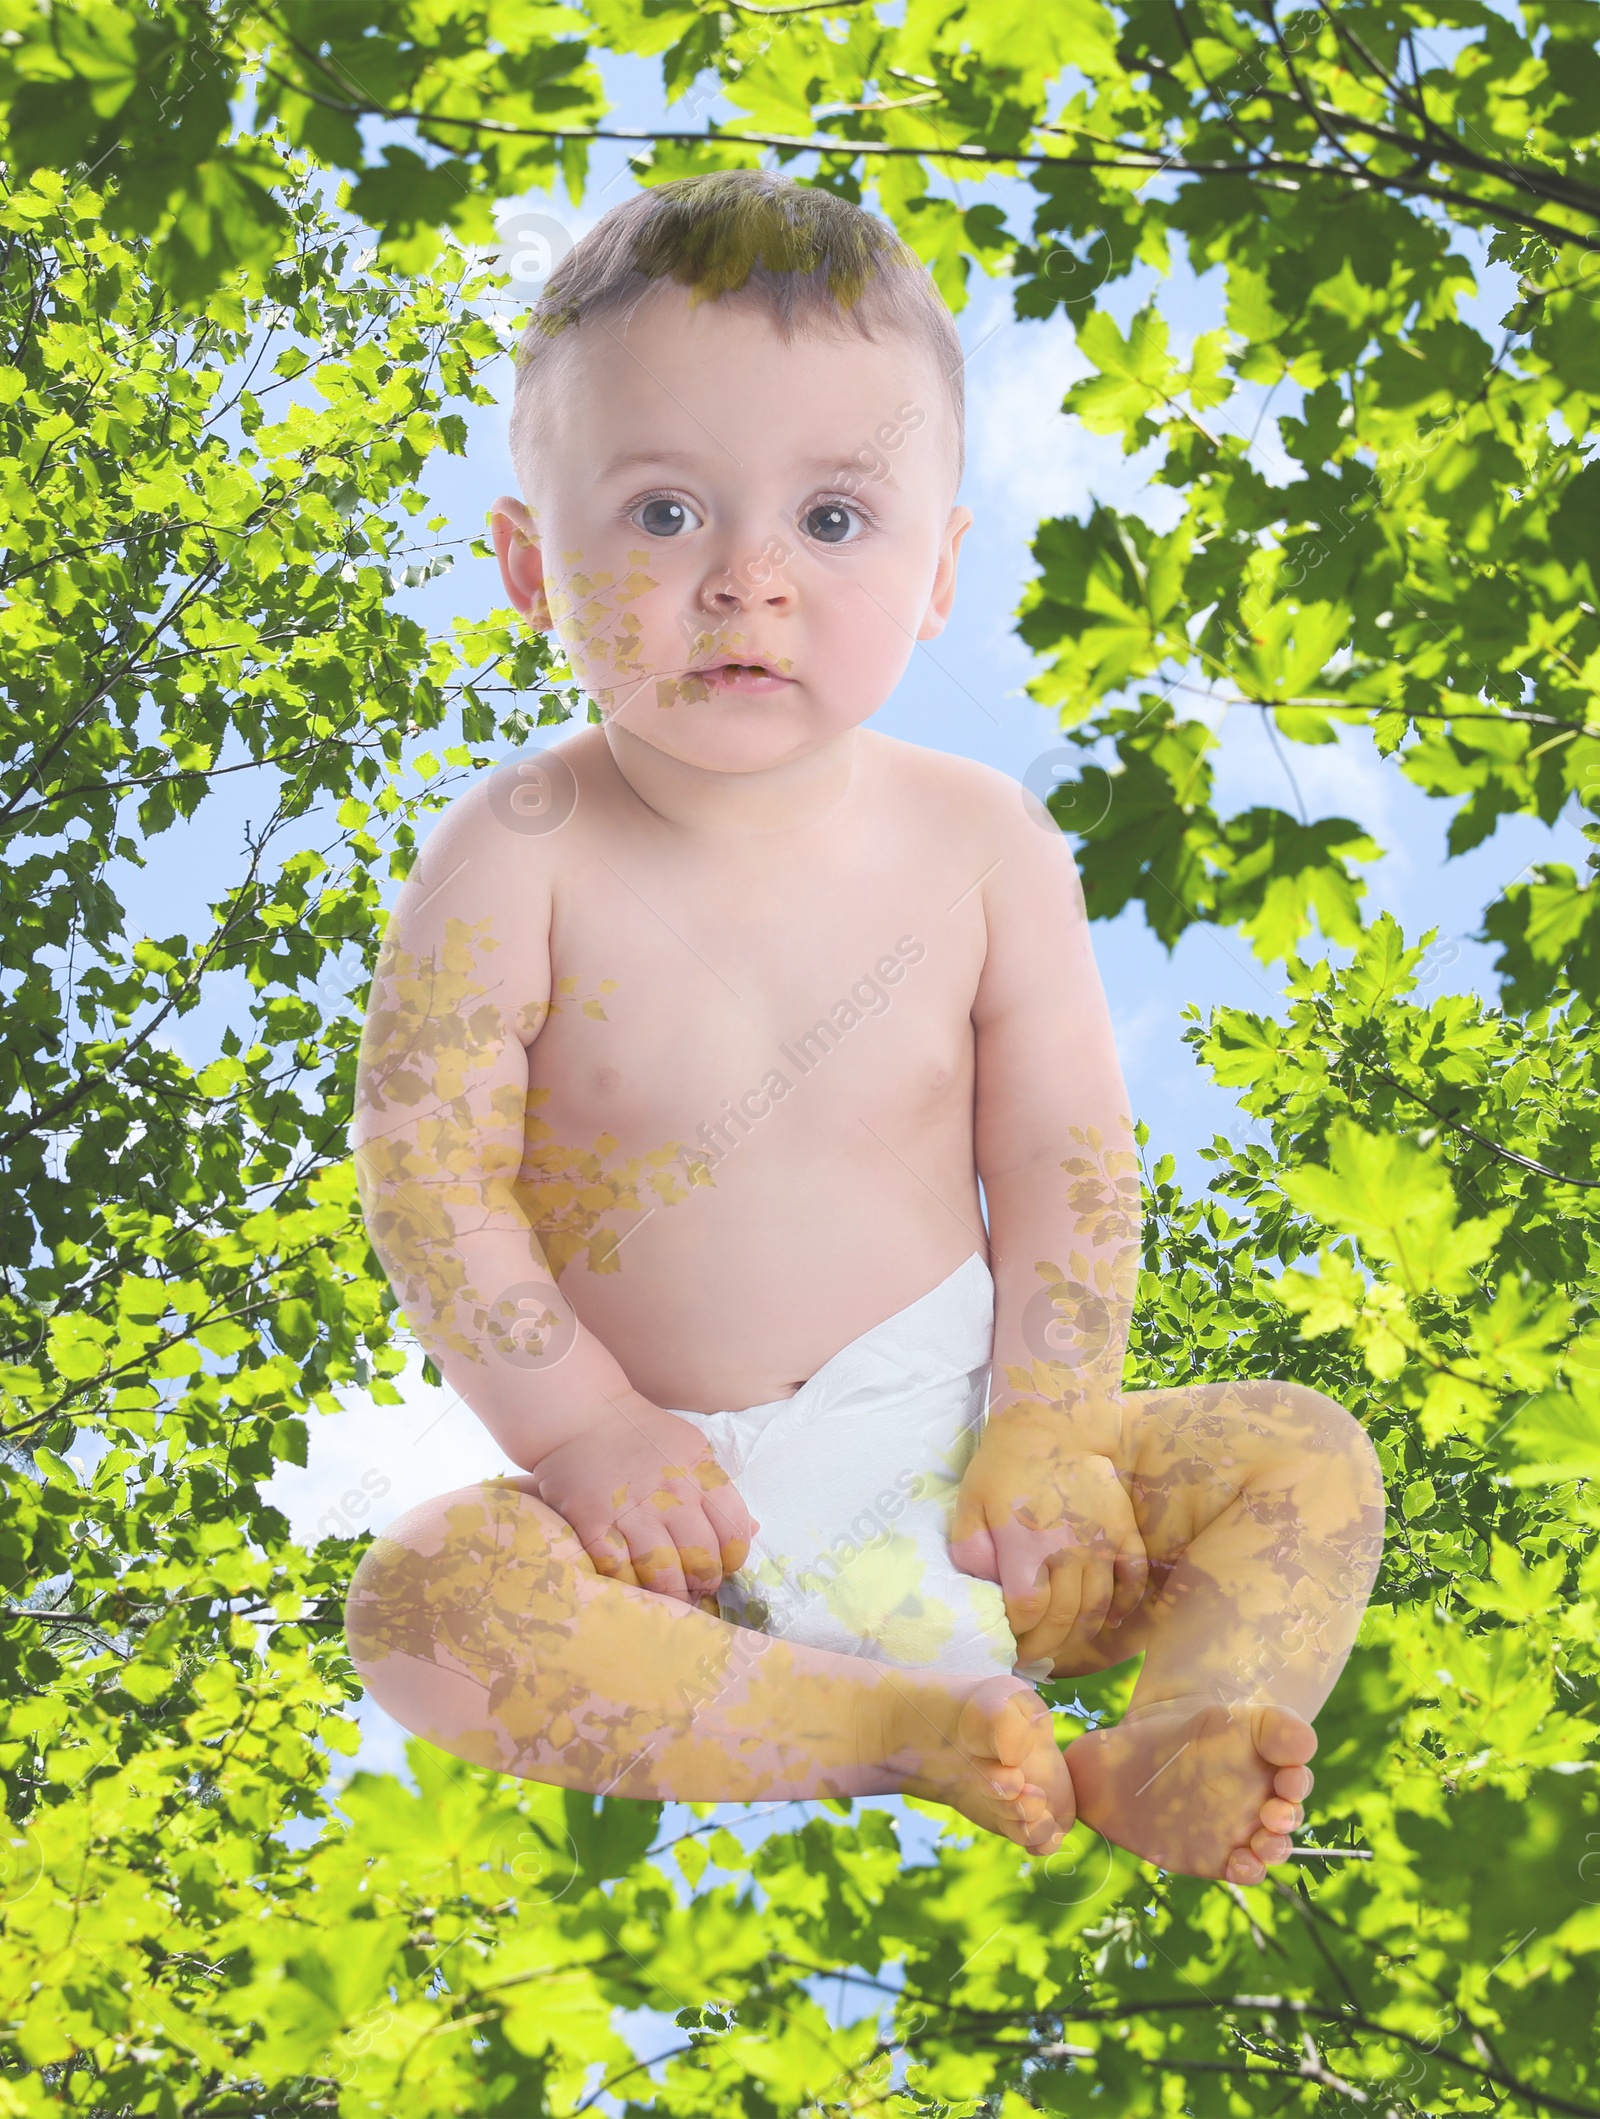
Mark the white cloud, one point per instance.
(367, 1464)
(1030, 459)
(1146, 1028)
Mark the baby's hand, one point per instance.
(1053, 1525)
(649, 1502)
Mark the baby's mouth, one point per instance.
(730, 675)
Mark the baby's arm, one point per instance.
(461, 991)
(1055, 1151)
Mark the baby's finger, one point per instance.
(1099, 1584)
(611, 1559)
(1026, 1614)
(1271, 1848)
(1132, 1572)
(699, 1550)
(1051, 1631)
(972, 1552)
(709, 1491)
(606, 1548)
(654, 1555)
(727, 1507)
(1024, 1561)
(732, 1553)
(733, 1526)
(970, 1538)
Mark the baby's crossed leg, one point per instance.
(1261, 1509)
(479, 1622)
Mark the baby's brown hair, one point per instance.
(806, 259)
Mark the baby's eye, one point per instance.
(662, 516)
(831, 522)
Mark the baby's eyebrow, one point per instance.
(841, 463)
(857, 468)
(678, 459)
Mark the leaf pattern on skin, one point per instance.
(440, 1147)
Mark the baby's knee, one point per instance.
(1322, 1424)
(440, 1572)
(1315, 1443)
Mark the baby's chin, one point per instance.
(734, 733)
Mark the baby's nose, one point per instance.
(757, 577)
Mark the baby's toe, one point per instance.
(1293, 1783)
(1284, 1738)
(1244, 1867)
(1270, 1847)
(997, 1723)
(1279, 1816)
(1041, 1833)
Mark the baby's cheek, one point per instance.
(868, 638)
(603, 619)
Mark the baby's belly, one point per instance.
(732, 1290)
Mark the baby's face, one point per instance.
(738, 540)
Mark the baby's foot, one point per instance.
(1197, 1788)
(985, 1746)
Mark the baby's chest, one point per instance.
(667, 1002)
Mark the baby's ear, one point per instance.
(518, 514)
(944, 581)
(521, 557)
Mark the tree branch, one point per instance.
(1147, 160)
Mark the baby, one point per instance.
(694, 1039)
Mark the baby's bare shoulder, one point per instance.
(970, 806)
(490, 866)
(938, 781)
(508, 823)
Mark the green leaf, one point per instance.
(1397, 1202)
(1557, 1436)
(1418, 1499)
(691, 1858)
(609, 1836)
(146, 1682)
(1549, 936)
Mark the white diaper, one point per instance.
(852, 1481)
